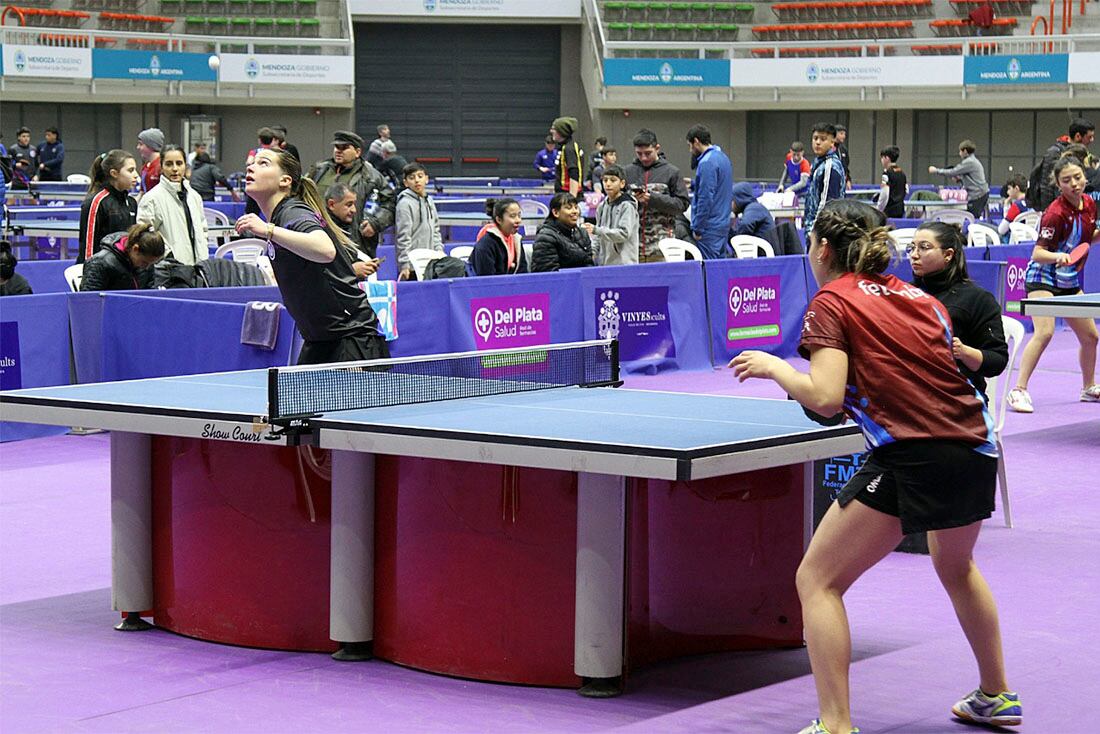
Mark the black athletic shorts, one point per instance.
(1032, 287)
(349, 349)
(927, 484)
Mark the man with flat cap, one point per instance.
(375, 200)
(569, 169)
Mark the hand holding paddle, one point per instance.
(1078, 255)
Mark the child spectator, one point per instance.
(11, 282)
(754, 218)
(1015, 193)
(796, 170)
(610, 158)
(108, 206)
(891, 196)
(616, 228)
(126, 265)
(51, 156)
(499, 251)
(560, 243)
(546, 159)
(826, 174)
(417, 220)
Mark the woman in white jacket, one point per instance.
(174, 209)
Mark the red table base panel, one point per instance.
(475, 564)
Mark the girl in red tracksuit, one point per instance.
(108, 207)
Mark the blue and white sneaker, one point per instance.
(817, 727)
(1004, 709)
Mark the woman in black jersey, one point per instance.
(312, 260)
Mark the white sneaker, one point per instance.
(1020, 402)
(1091, 394)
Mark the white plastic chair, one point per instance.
(998, 402)
(215, 217)
(246, 250)
(1021, 232)
(1031, 219)
(78, 178)
(420, 257)
(747, 245)
(533, 208)
(902, 239)
(676, 251)
(462, 252)
(978, 235)
(73, 275)
(960, 217)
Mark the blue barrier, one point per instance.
(45, 276)
(158, 337)
(34, 352)
(658, 314)
(744, 299)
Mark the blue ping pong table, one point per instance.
(611, 441)
(1083, 305)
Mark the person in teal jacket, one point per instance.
(712, 193)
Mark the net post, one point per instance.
(272, 394)
(615, 362)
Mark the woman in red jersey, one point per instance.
(880, 350)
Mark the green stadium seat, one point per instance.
(618, 31)
(286, 26)
(685, 32)
(195, 24)
(240, 7)
(727, 32)
(240, 26)
(263, 26)
(217, 25)
(217, 6)
(641, 31)
(194, 7)
(285, 7)
(664, 32)
(262, 8)
(700, 12)
(657, 12)
(171, 7)
(307, 8)
(706, 32)
(614, 11)
(309, 27)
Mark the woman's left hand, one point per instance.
(753, 363)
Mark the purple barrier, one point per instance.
(23, 214)
(502, 311)
(657, 312)
(423, 326)
(34, 352)
(147, 336)
(756, 304)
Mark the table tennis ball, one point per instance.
(214, 62)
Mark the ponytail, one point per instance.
(102, 165)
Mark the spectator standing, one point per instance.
(417, 220)
(753, 217)
(599, 147)
(616, 230)
(560, 243)
(713, 190)
(197, 148)
(108, 207)
(610, 158)
(546, 160)
(127, 264)
(393, 165)
(149, 143)
(1015, 203)
(11, 282)
(499, 251)
(660, 191)
(971, 174)
(266, 139)
(826, 174)
(282, 144)
(1081, 131)
(894, 188)
(842, 151)
(569, 168)
(174, 210)
(23, 159)
(375, 200)
(374, 154)
(205, 175)
(51, 156)
(796, 170)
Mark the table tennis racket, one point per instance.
(1078, 255)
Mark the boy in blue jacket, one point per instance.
(712, 194)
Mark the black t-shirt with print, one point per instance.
(323, 298)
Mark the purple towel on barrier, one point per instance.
(260, 327)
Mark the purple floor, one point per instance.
(62, 667)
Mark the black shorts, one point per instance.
(349, 349)
(1032, 287)
(928, 484)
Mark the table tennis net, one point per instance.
(298, 392)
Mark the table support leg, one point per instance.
(131, 528)
(351, 595)
(601, 548)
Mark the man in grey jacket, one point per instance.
(417, 220)
(972, 175)
(660, 192)
(616, 230)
